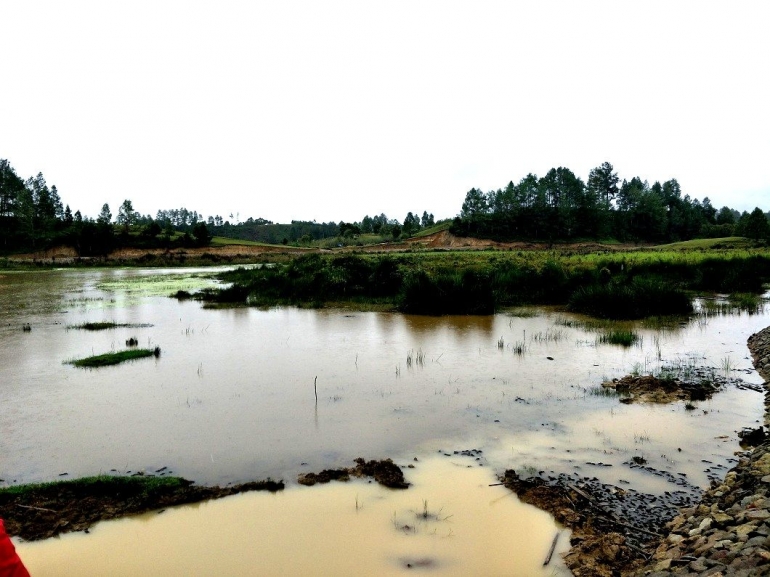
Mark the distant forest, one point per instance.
(560, 206)
(557, 207)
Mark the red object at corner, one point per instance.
(10, 564)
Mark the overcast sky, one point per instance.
(331, 110)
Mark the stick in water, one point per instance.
(553, 548)
(315, 388)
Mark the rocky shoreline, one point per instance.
(728, 533)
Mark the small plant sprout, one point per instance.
(727, 365)
(519, 348)
(642, 437)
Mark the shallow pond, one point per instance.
(450, 522)
(233, 395)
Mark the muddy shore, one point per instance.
(53, 508)
(618, 531)
(44, 511)
(728, 533)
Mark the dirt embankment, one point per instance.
(55, 508)
(237, 253)
(47, 510)
(228, 254)
(446, 240)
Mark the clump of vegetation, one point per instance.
(550, 335)
(599, 391)
(74, 505)
(106, 325)
(467, 292)
(747, 302)
(635, 300)
(140, 485)
(624, 338)
(640, 284)
(115, 358)
(132, 342)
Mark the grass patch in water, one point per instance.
(107, 325)
(100, 484)
(620, 337)
(747, 302)
(599, 391)
(108, 359)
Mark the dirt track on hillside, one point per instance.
(443, 240)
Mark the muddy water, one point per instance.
(232, 396)
(450, 522)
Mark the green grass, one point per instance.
(224, 241)
(620, 337)
(643, 297)
(439, 227)
(709, 243)
(599, 391)
(359, 240)
(604, 283)
(100, 484)
(116, 358)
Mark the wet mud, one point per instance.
(385, 472)
(651, 389)
(51, 509)
(613, 528)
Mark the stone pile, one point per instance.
(728, 533)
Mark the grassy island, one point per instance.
(115, 358)
(627, 284)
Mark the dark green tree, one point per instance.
(411, 224)
(725, 216)
(127, 216)
(602, 185)
(756, 225)
(475, 204)
(105, 216)
(201, 234)
(11, 186)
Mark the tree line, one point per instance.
(34, 217)
(560, 206)
(557, 206)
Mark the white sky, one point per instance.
(331, 110)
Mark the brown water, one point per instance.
(232, 396)
(353, 528)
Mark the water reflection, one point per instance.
(232, 397)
